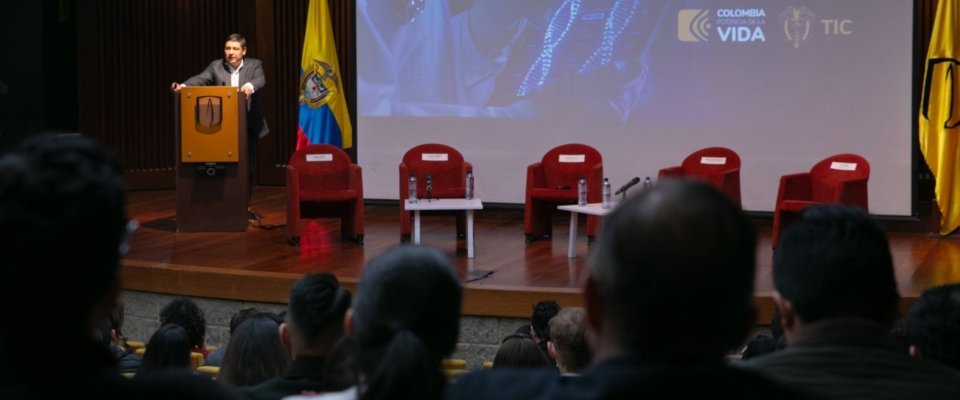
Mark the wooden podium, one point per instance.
(213, 172)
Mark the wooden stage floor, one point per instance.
(505, 279)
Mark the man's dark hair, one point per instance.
(933, 324)
(316, 309)
(184, 312)
(834, 262)
(62, 222)
(673, 272)
(543, 311)
(236, 37)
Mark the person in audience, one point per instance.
(215, 358)
(837, 296)
(519, 350)
(314, 323)
(568, 340)
(932, 326)
(127, 361)
(64, 229)
(670, 293)
(539, 328)
(404, 319)
(184, 312)
(168, 348)
(254, 353)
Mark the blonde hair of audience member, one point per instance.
(568, 341)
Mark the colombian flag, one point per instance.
(940, 113)
(323, 110)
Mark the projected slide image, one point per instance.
(504, 58)
(784, 83)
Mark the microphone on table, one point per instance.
(628, 185)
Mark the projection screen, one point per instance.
(646, 82)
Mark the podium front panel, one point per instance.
(209, 124)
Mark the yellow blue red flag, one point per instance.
(940, 112)
(324, 117)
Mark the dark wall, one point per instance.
(21, 71)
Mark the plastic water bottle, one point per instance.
(647, 183)
(469, 186)
(606, 193)
(582, 192)
(412, 190)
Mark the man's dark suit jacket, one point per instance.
(218, 74)
(622, 379)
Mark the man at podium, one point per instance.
(245, 73)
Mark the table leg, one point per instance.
(416, 227)
(469, 233)
(572, 246)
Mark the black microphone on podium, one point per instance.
(628, 185)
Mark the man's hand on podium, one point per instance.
(175, 87)
(247, 89)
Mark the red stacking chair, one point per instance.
(553, 181)
(448, 173)
(841, 178)
(322, 182)
(717, 165)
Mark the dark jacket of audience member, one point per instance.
(837, 298)
(670, 292)
(933, 325)
(313, 324)
(63, 230)
(254, 353)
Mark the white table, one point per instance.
(445, 205)
(589, 209)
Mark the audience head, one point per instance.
(568, 340)
(672, 275)
(241, 315)
(168, 348)
(834, 262)
(519, 350)
(543, 311)
(184, 312)
(61, 215)
(254, 353)
(315, 315)
(933, 325)
(405, 320)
